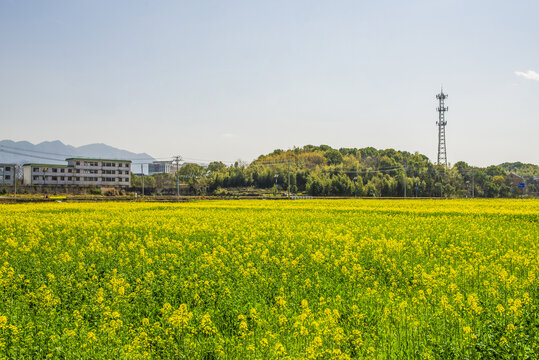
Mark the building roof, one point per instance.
(94, 159)
(515, 175)
(46, 165)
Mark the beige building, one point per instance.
(80, 172)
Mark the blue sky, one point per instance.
(223, 80)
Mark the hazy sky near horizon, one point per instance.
(227, 80)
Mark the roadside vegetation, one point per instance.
(323, 171)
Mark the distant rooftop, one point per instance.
(45, 165)
(92, 159)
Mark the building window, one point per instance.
(78, 162)
(36, 169)
(7, 168)
(36, 177)
(54, 170)
(54, 178)
(69, 178)
(78, 178)
(7, 177)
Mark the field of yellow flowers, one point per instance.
(316, 279)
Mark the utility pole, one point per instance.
(44, 178)
(142, 174)
(473, 184)
(442, 155)
(355, 180)
(405, 183)
(15, 180)
(177, 159)
(289, 180)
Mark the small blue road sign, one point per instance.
(521, 185)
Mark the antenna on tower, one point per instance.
(442, 154)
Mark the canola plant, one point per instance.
(315, 279)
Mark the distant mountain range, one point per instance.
(55, 152)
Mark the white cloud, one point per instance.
(530, 74)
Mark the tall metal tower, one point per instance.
(442, 155)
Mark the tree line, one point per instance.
(324, 171)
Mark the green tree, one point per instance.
(190, 171)
(333, 157)
(216, 166)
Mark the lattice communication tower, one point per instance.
(442, 154)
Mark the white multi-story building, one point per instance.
(162, 167)
(81, 172)
(7, 174)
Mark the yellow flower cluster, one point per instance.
(316, 279)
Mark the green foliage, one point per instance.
(525, 170)
(333, 157)
(94, 191)
(191, 172)
(324, 171)
(216, 166)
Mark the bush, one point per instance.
(220, 191)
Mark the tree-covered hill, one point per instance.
(324, 171)
(525, 170)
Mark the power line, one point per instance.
(32, 151)
(366, 171)
(30, 155)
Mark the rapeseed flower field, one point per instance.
(306, 279)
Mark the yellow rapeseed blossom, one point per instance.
(316, 279)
